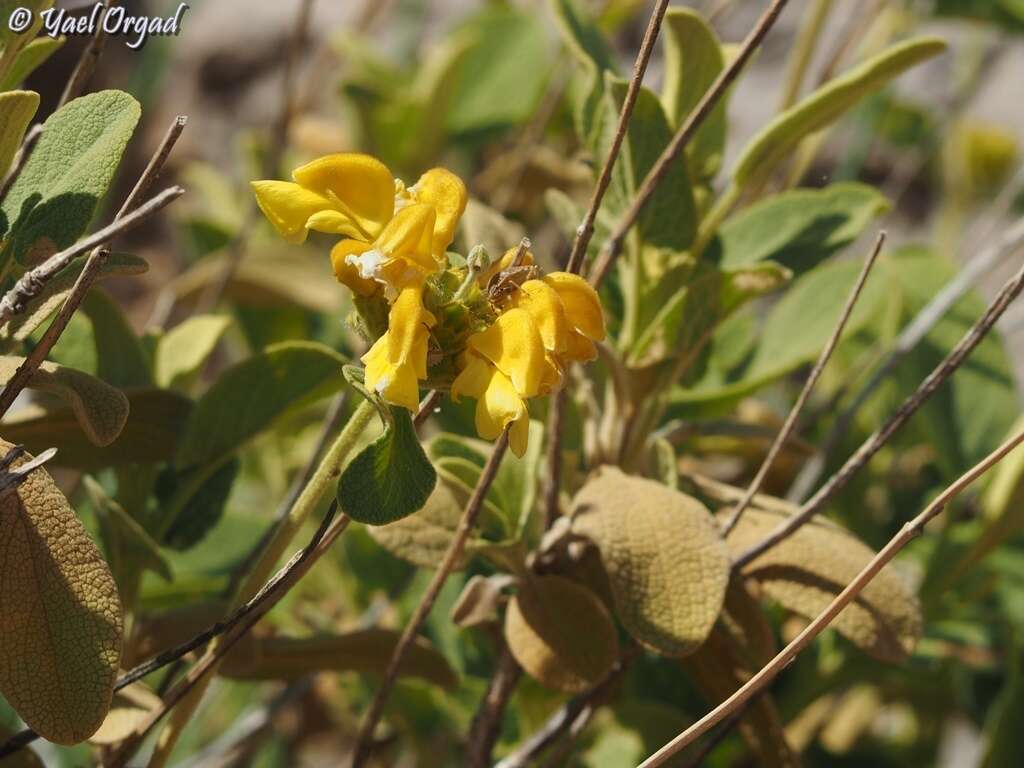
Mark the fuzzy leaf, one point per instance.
(181, 352)
(120, 358)
(800, 228)
(129, 708)
(666, 563)
(369, 650)
(150, 434)
(693, 59)
(807, 570)
(52, 202)
(101, 410)
(123, 533)
(17, 108)
(60, 614)
(250, 396)
(561, 633)
(391, 478)
(202, 508)
(29, 59)
(39, 309)
(777, 139)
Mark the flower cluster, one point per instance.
(500, 333)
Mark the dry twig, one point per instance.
(365, 738)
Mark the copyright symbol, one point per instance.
(20, 20)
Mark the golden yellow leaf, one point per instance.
(560, 633)
(129, 707)
(60, 614)
(666, 562)
(807, 570)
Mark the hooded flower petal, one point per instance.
(288, 207)
(360, 187)
(402, 255)
(513, 344)
(443, 191)
(582, 305)
(545, 308)
(346, 273)
(398, 359)
(498, 402)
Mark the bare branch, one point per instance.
(427, 407)
(86, 64)
(613, 245)
(365, 738)
(11, 479)
(483, 733)
(942, 371)
(586, 229)
(812, 379)
(767, 673)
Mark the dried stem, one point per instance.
(11, 479)
(812, 379)
(613, 245)
(553, 459)
(242, 619)
(586, 229)
(430, 402)
(251, 613)
(942, 371)
(86, 64)
(1009, 243)
(484, 731)
(767, 673)
(365, 738)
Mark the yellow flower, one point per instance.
(398, 360)
(504, 263)
(583, 313)
(502, 367)
(398, 235)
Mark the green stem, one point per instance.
(319, 486)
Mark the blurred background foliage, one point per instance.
(487, 89)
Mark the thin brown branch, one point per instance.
(553, 459)
(907, 408)
(767, 673)
(364, 740)
(154, 167)
(242, 620)
(586, 228)
(812, 379)
(486, 726)
(255, 609)
(427, 407)
(86, 64)
(613, 245)
(11, 479)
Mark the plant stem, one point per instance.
(767, 673)
(803, 51)
(812, 379)
(320, 484)
(364, 740)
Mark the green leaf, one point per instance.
(569, 655)
(593, 52)
(60, 627)
(101, 410)
(1002, 723)
(799, 229)
(202, 508)
(124, 535)
(31, 57)
(181, 352)
(777, 139)
(17, 108)
(367, 650)
(502, 76)
(693, 59)
(251, 395)
(389, 479)
(666, 562)
(52, 202)
(149, 435)
(43, 306)
(120, 357)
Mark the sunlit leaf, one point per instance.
(181, 352)
(666, 562)
(17, 109)
(60, 614)
(128, 709)
(560, 633)
(807, 570)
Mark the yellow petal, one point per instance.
(397, 384)
(401, 256)
(519, 435)
(582, 305)
(579, 348)
(398, 359)
(500, 406)
(543, 304)
(288, 207)
(504, 263)
(474, 377)
(359, 186)
(445, 192)
(513, 344)
(347, 274)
